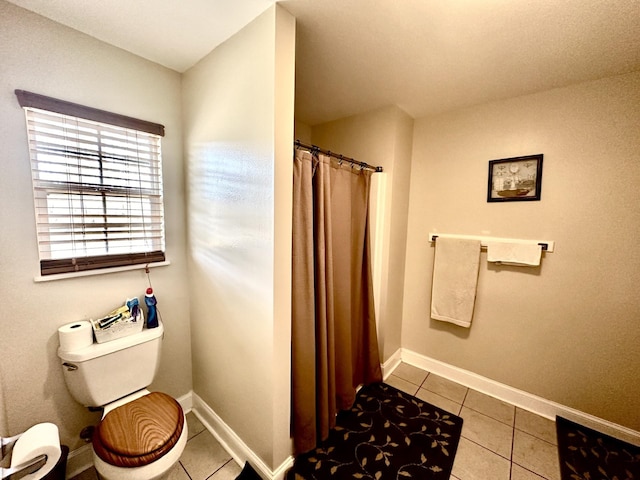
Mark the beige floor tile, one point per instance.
(446, 388)
(229, 472)
(536, 455)
(177, 472)
(490, 406)
(194, 425)
(439, 401)
(487, 431)
(401, 384)
(474, 462)
(410, 373)
(519, 473)
(202, 456)
(536, 425)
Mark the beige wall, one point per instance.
(285, 53)
(567, 331)
(45, 57)
(381, 138)
(238, 111)
(302, 132)
(4, 427)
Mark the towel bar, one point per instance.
(547, 245)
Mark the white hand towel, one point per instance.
(455, 279)
(517, 254)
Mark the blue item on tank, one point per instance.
(152, 311)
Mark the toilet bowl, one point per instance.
(141, 434)
(141, 438)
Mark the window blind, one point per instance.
(97, 192)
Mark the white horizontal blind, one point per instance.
(97, 191)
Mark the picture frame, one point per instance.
(515, 179)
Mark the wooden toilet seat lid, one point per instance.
(139, 432)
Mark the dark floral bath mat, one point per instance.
(387, 435)
(586, 454)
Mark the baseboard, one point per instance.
(81, 458)
(78, 461)
(391, 364)
(233, 444)
(527, 401)
(186, 402)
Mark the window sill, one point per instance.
(101, 271)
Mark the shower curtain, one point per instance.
(334, 340)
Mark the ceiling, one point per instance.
(173, 33)
(352, 56)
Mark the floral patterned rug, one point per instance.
(387, 435)
(586, 454)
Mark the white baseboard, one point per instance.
(78, 461)
(527, 401)
(233, 444)
(186, 402)
(391, 364)
(81, 458)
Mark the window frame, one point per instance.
(50, 266)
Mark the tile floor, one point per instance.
(499, 441)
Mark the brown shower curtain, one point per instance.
(334, 341)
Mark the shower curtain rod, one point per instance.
(314, 148)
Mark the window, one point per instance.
(97, 186)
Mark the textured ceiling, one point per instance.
(173, 33)
(430, 56)
(426, 56)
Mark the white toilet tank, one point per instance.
(104, 372)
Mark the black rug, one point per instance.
(387, 435)
(248, 473)
(591, 455)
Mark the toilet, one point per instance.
(141, 434)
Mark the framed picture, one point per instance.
(515, 179)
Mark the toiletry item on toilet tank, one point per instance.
(152, 312)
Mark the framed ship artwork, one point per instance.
(515, 179)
